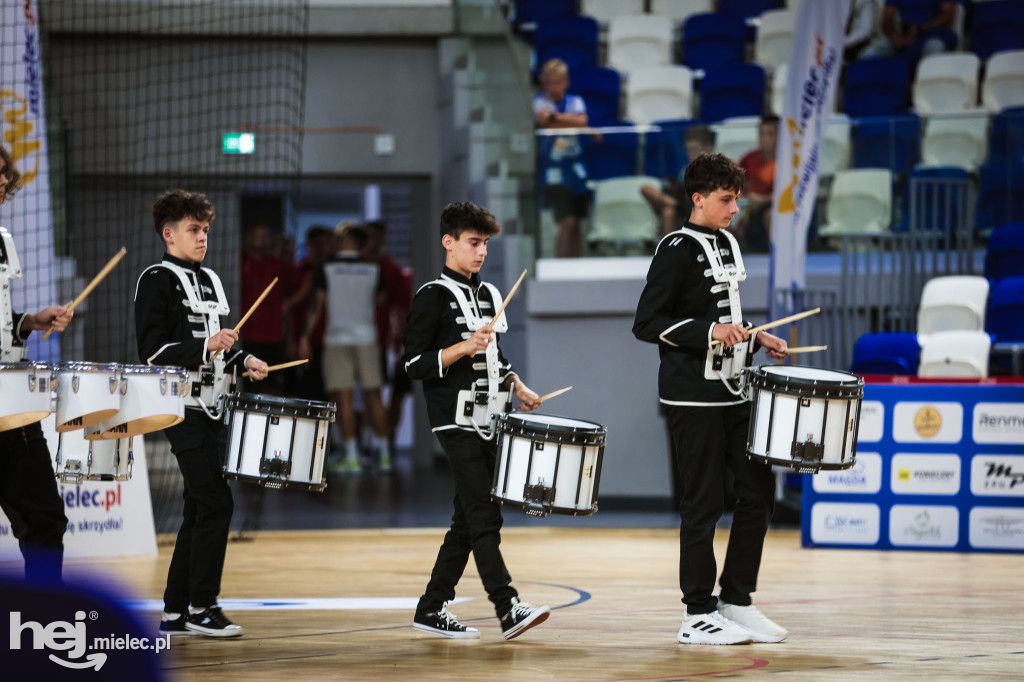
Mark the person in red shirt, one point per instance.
(264, 331)
(759, 167)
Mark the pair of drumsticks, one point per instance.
(779, 323)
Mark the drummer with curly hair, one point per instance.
(690, 308)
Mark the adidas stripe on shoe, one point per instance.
(711, 628)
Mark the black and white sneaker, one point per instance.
(443, 622)
(711, 628)
(521, 617)
(175, 627)
(212, 622)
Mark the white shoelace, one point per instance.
(448, 617)
(520, 608)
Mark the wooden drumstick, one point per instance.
(274, 368)
(777, 323)
(92, 285)
(507, 299)
(252, 309)
(805, 349)
(553, 394)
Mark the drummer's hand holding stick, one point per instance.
(221, 341)
(777, 348)
(528, 399)
(56, 316)
(257, 368)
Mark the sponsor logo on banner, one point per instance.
(872, 422)
(997, 475)
(997, 528)
(839, 523)
(999, 423)
(916, 422)
(864, 477)
(925, 474)
(924, 526)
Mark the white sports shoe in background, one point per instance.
(761, 628)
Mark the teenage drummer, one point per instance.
(28, 489)
(178, 310)
(691, 300)
(450, 323)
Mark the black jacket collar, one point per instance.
(472, 281)
(194, 267)
(700, 228)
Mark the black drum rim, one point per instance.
(803, 387)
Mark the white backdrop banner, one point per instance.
(808, 102)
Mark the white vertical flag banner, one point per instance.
(810, 93)
(28, 216)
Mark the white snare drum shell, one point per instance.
(87, 393)
(25, 393)
(152, 398)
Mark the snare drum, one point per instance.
(278, 442)
(804, 418)
(548, 464)
(86, 394)
(25, 393)
(79, 459)
(152, 398)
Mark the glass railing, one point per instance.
(604, 191)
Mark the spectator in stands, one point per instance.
(264, 332)
(310, 383)
(860, 27)
(351, 288)
(564, 177)
(390, 317)
(666, 201)
(914, 28)
(759, 167)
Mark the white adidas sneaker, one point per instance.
(711, 628)
(760, 627)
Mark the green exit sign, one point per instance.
(238, 143)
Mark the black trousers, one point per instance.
(708, 441)
(198, 559)
(476, 526)
(31, 502)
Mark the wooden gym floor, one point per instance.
(851, 614)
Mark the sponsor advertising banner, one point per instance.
(930, 474)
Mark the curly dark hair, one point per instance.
(459, 216)
(175, 204)
(11, 173)
(709, 172)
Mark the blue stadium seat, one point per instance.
(877, 87)
(997, 25)
(1006, 139)
(572, 39)
(748, 9)
(665, 151)
(1000, 199)
(1005, 254)
(937, 204)
(1005, 318)
(736, 90)
(613, 156)
(529, 13)
(893, 143)
(712, 40)
(886, 353)
(600, 89)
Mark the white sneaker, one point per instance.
(760, 627)
(711, 628)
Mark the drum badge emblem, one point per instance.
(927, 422)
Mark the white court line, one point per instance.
(301, 604)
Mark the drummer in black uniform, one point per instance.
(691, 299)
(451, 346)
(178, 306)
(28, 489)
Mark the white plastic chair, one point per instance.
(734, 137)
(954, 303)
(774, 43)
(658, 93)
(620, 213)
(635, 42)
(956, 354)
(946, 83)
(678, 11)
(835, 147)
(1004, 81)
(778, 94)
(860, 202)
(960, 141)
(603, 11)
